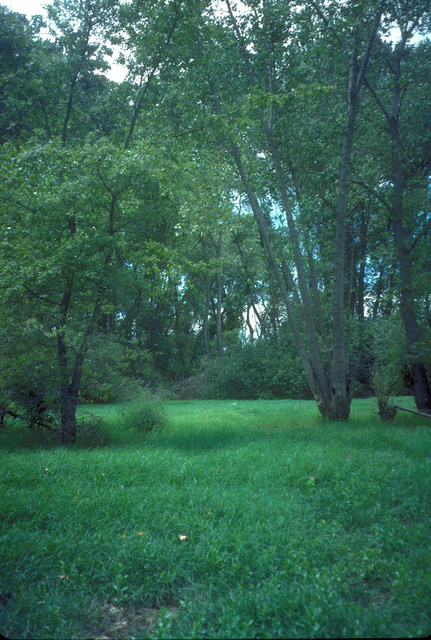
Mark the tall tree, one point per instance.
(407, 173)
(75, 201)
(259, 85)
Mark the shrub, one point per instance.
(257, 370)
(112, 371)
(193, 388)
(142, 415)
(389, 351)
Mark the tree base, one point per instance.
(338, 408)
(386, 411)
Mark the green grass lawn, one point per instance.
(237, 519)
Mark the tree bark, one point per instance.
(318, 386)
(416, 413)
(219, 300)
(67, 414)
(340, 406)
(249, 325)
(365, 218)
(420, 386)
(207, 299)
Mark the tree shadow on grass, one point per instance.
(374, 438)
(15, 438)
(361, 433)
(213, 439)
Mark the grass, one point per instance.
(237, 519)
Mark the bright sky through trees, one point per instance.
(36, 7)
(29, 7)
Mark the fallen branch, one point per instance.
(29, 420)
(417, 413)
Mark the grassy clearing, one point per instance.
(238, 519)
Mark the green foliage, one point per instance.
(257, 370)
(141, 415)
(387, 372)
(126, 232)
(17, 68)
(113, 371)
(242, 519)
(68, 244)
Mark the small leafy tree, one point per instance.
(387, 379)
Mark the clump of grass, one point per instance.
(126, 422)
(141, 415)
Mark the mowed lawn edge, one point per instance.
(236, 519)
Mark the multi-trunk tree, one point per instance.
(252, 67)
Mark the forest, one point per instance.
(245, 215)
(215, 319)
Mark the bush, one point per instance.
(193, 388)
(113, 371)
(257, 370)
(387, 373)
(142, 415)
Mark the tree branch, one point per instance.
(374, 193)
(377, 99)
(36, 295)
(366, 58)
(416, 413)
(142, 91)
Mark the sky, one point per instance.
(34, 7)
(117, 73)
(29, 7)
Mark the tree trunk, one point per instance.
(331, 392)
(219, 300)
(319, 386)
(379, 290)
(69, 397)
(273, 313)
(259, 318)
(70, 384)
(3, 412)
(68, 415)
(206, 314)
(420, 386)
(340, 402)
(207, 298)
(249, 325)
(316, 298)
(421, 389)
(365, 218)
(67, 412)
(352, 274)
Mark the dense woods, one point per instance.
(246, 214)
